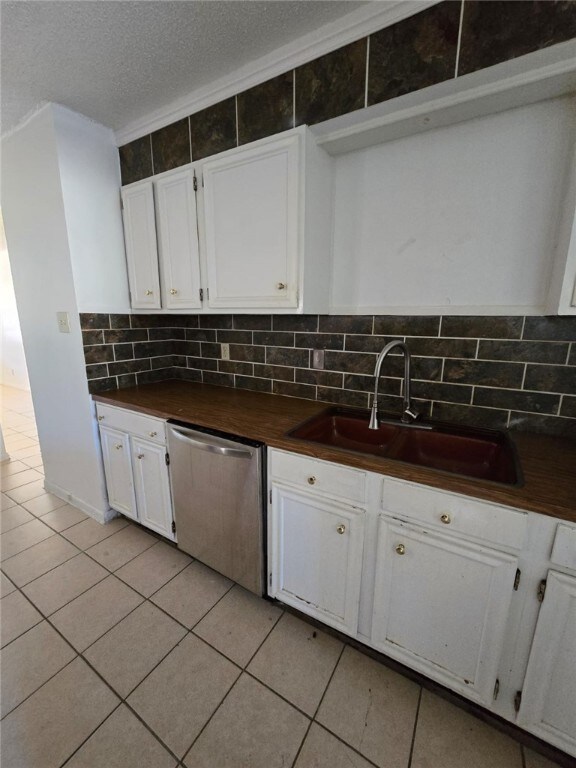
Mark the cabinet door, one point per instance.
(152, 486)
(316, 556)
(441, 605)
(549, 696)
(118, 471)
(141, 247)
(178, 241)
(253, 226)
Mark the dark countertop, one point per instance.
(548, 463)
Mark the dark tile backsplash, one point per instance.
(411, 54)
(464, 368)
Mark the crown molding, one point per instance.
(354, 26)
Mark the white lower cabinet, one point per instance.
(118, 470)
(443, 583)
(549, 695)
(136, 467)
(441, 605)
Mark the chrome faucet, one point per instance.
(408, 414)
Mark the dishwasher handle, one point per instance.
(207, 444)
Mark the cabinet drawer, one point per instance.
(138, 424)
(450, 512)
(564, 549)
(321, 476)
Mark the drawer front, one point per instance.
(564, 549)
(137, 424)
(453, 513)
(322, 476)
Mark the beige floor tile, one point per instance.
(18, 539)
(238, 624)
(28, 491)
(44, 730)
(153, 568)
(122, 742)
(6, 502)
(64, 517)
(131, 649)
(13, 517)
(41, 505)
(371, 708)
(18, 616)
(90, 532)
(446, 734)
(123, 546)
(26, 453)
(191, 594)
(64, 583)
(12, 468)
(38, 560)
(20, 441)
(6, 586)
(323, 750)
(94, 612)
(30, 661)
(297, 661)
(534, 760)
(178, 697)
(33, 460)
(19, 479)
(253, 727)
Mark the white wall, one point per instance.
(461, 219)
(87, 150)
(37, 230)
(13, 371)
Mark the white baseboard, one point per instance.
(98, 514)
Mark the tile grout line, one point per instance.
(413, 742)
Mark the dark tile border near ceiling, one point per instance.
(414, 53)
(511, 372)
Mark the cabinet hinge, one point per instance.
(167, 458)
(517, 701)
(121, 203)
(269, 579)
(201, 292)
(541, 591)
(496, 689)
(270, 496)
(195, 183)
(173, 527)
(517, 579)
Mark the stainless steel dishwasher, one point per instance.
(217, 486)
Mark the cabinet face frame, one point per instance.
(547, 657)
(118, 471)
(291, 148)
(141, 245)
(352, 518)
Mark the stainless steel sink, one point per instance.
(473, 452)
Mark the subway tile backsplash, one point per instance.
(498, 371)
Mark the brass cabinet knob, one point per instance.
(311, 480)
(341, 528)
(446, 519)
(400, 549)
(140, 456)
(152, 434)
(281, 286)
(149, 292)
(118, 446)
(100, 418)
(173, 291)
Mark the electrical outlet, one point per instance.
(63, 322)
(225, 348)
(318, 359)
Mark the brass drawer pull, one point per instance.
(446, 519)
(311, 480)
(400, 549)
(341, 528)
(152, 434)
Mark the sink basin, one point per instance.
(473, 452)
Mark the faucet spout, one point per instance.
(409, 414)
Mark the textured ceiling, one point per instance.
(116, 61)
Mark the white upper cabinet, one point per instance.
(178, 240)
(162, 242)
(141, 247)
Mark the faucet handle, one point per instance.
(410, 414)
